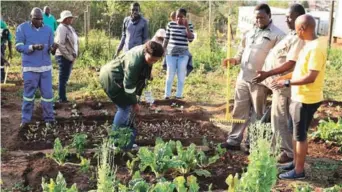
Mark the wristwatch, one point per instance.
(287, 83)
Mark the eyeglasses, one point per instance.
(135, 9)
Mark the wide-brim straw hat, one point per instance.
(65, 14)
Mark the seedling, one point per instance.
(85, 164)
(79, 142)
(59, 153)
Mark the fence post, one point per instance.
(86, 28)
(88, 19)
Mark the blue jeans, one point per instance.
(176, 64)
(121, 119)
(65, 67)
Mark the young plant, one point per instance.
(121, 137)
(85, 164)
(261, 172)
(79, 141)
(59, 152)
(160, 159)
(232, 182)
(187, 156)
(204, 160)
(330, 130)
(130, 165)
(58, 186)
(106, 180)
(188, 185)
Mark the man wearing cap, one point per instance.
(67, 51)
(134, 30)
(35, 43)
(49, 19)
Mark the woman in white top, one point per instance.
(67, 51)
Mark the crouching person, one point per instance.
(123, 79)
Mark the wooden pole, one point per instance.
(86, 28)
(331, 22)
(209, 18)
(88, 18)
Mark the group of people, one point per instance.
(291, 66)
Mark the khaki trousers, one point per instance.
(280, 119)
(249, 104)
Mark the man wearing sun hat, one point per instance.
(67, 51)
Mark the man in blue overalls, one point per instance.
(35, 43)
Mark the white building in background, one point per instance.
(246, 19)
(337, 32)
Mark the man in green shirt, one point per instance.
(49, 19)
(124, 78)
(6, 37)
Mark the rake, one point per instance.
(228, 117)
(4, 85)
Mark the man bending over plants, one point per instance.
(124, 78)
(306, 83)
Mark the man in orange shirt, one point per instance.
(306, 83)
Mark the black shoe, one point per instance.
(179, 98)
(167, 98)
(286, 167)
(63, 101)
(24, 126)
(230, 147)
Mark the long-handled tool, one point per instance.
(3, 85)
(228, 118)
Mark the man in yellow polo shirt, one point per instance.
(306, 83)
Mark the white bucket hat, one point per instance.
(65, 14)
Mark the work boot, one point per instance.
(230, 147)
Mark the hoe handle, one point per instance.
(228, 68)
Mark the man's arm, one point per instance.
(241, 49)
(130, 79)
(60, 40)
(20, 41)
(123, 37)
(55, 25)
(167, 37)
(145, 33)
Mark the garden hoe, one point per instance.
(228, 118)
(4, 85)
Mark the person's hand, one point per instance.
(74, 55)
(136, 108)
(261, 75)
(185, 22)
(278, 84)
(38, 47)
(232, 61)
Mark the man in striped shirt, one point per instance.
(178, 34)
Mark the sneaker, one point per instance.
(286, 167)
(166, 98)
(292, 175)
(179, 98)
(231, 147)
(283, 158)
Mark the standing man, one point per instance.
(252, 53)
(134, 30)
(6, 37)
(306, 84)
(49, 19)
(35, 42)
(282, 58)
